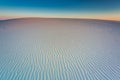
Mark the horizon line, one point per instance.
(57, 18)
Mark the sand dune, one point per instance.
(59, 49)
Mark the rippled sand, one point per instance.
(59, 49)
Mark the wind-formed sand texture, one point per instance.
(59, 49)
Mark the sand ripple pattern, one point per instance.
(71, 51)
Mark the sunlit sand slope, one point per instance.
(59, 49)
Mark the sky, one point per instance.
(96, 9)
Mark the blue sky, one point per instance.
(81, 5)
(60, 6)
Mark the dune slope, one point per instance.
(59, 49)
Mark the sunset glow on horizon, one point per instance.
(10, 14)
